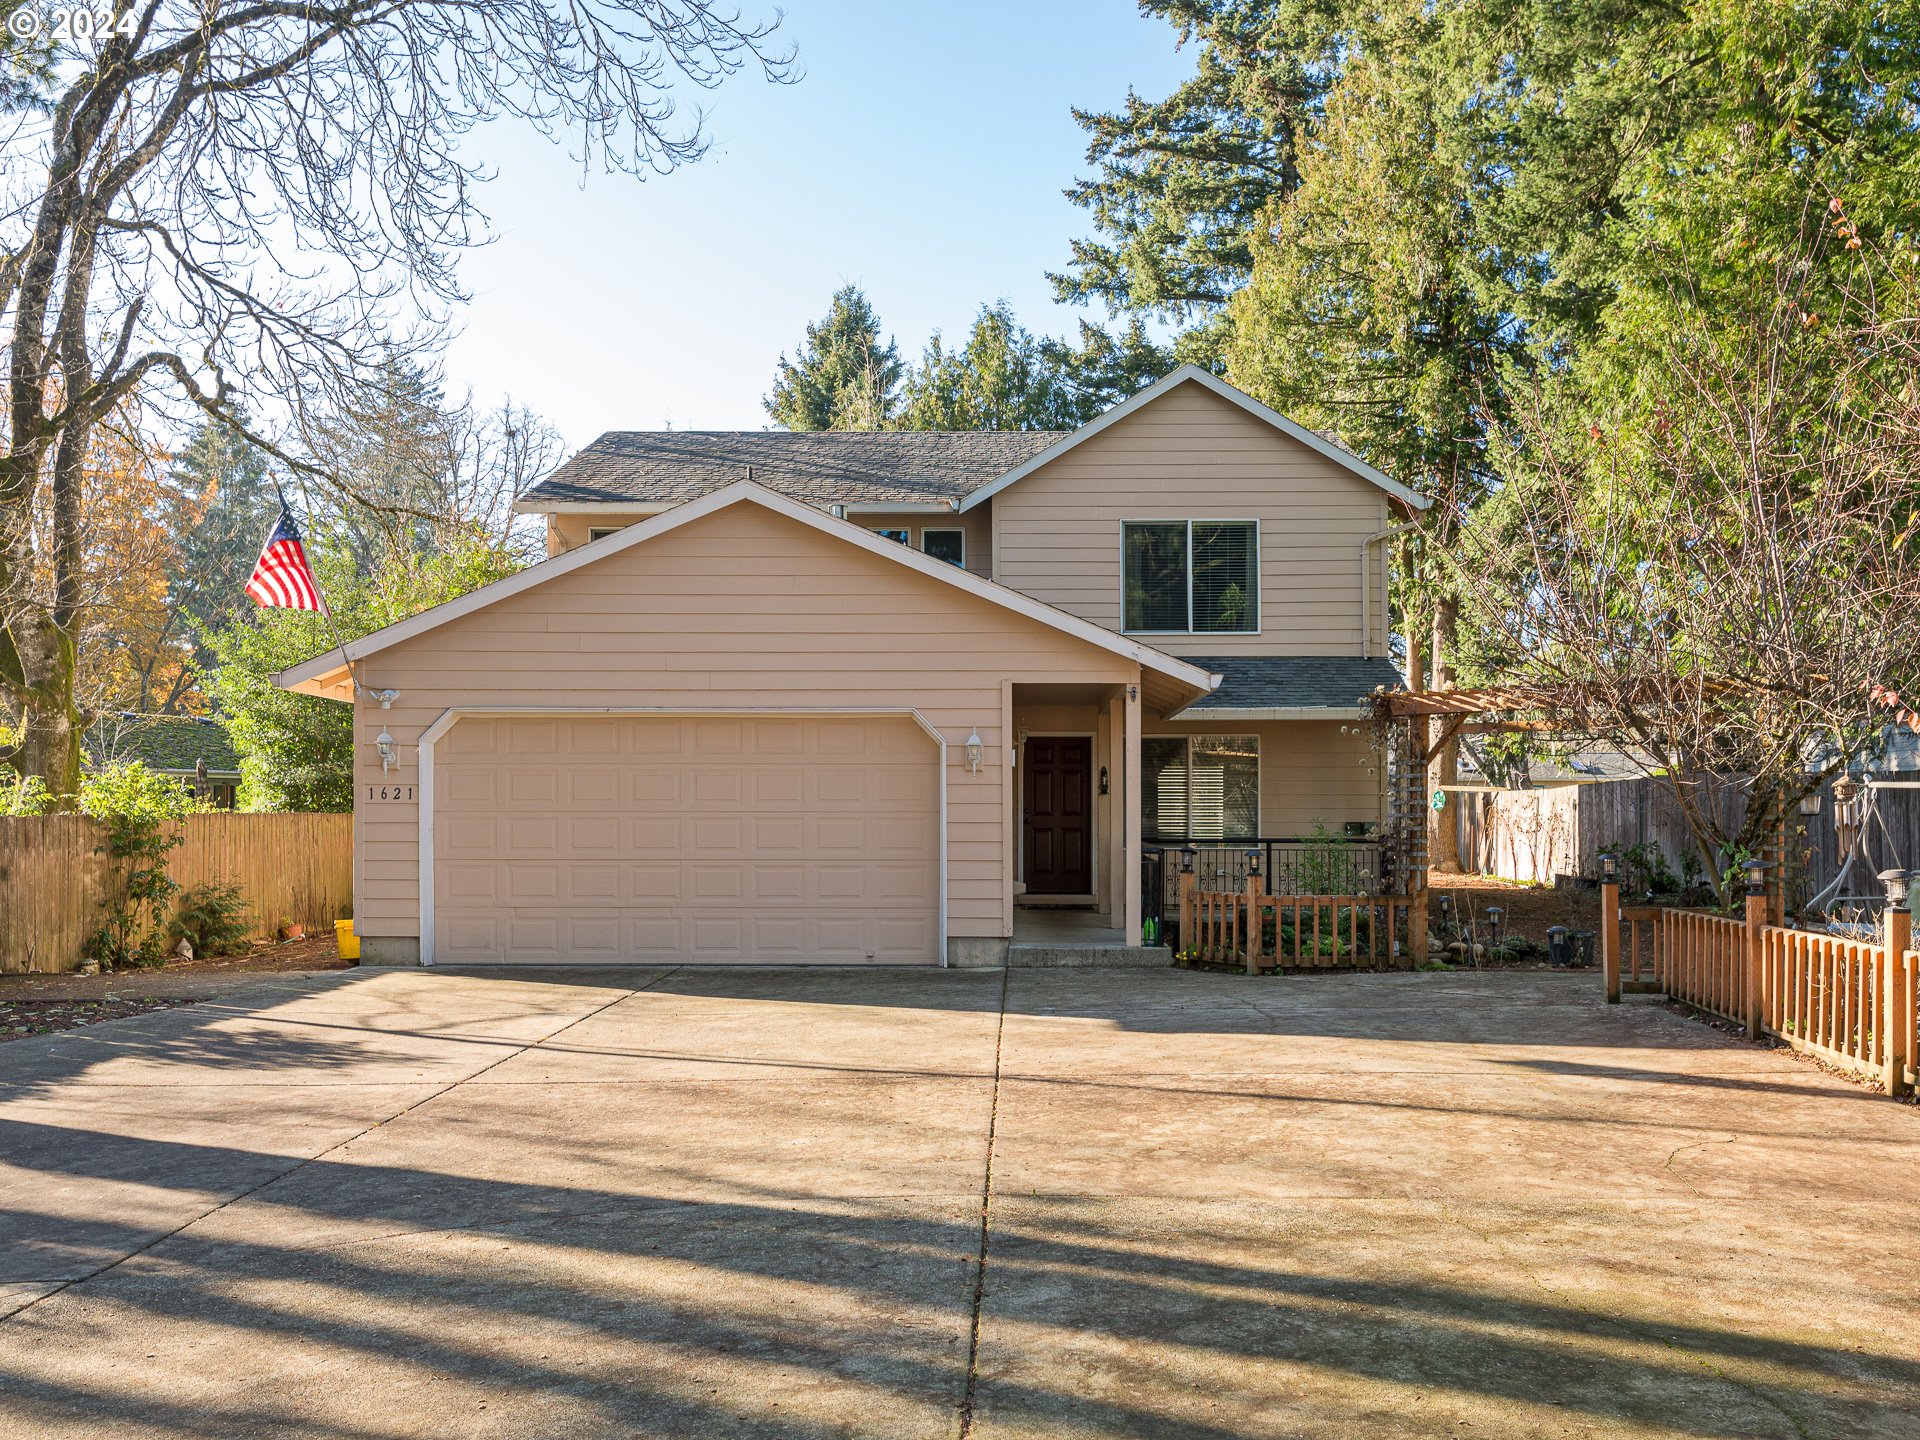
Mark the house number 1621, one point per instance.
(389, 792)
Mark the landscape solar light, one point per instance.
(1897, 883)
(1609, 867)
(1186, 859)
(1253, 862)
(1756, 871)
(1494, 914)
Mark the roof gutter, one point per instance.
(1366, 587)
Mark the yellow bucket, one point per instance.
(348, 942)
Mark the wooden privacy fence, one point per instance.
(1854, 1004)
(1265, 932)
(54, 877)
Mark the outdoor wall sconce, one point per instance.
(1609, 869)
(1186, 859)
(1103, 780)
(389, 752)
(974, 751)
(1897, 882)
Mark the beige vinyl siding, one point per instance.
(569, 531)
(740, 609)
(1309, 771)
(1193, 455)
(977, 523)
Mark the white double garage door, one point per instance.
(747, 838)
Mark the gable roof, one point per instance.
(859, 467)
(1194, 375)
(749, 493)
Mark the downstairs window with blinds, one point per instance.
(1201, 787)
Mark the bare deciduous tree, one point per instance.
(1723, 587)
(244, 208)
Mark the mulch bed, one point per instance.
(21, 1018)
(176, 982)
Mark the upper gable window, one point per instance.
(1184, 577)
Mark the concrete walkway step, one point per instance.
(1105, 957)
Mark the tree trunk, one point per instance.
(1443, 828)
(53, 723)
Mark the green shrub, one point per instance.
(23, 794)
(214, 919)
(139, 809)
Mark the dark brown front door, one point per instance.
(1058, 795)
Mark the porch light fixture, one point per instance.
(389, 753)
(1897, 883)
(1103, 780)
(974, 751)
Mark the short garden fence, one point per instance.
(1853, 1004)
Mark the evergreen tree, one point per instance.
(224, 503)
(1000, 380)
(843, 377)
(1103, 369)
(1180, 183)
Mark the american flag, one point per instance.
(281, 576)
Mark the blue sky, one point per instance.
(921, 156)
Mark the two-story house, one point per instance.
(851, 697)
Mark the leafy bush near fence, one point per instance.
(138, 809)
(214, 919)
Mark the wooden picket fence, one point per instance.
(54, 877)
(1307, 931)
(1854, 1004)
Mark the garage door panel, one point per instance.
(710, 839)
(593, 834)
(532, 785)
(463, 836)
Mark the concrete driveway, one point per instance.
(751, 1204)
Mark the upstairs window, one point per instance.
(1190, 577)
(947, 545)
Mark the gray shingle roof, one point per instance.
(173, 743)
(1267, 682)
(859, 467)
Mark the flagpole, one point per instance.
(326, 611)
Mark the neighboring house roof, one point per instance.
(912, 467)
(744, 492)
(1285, 687)
(1333, 449)
(173, 744)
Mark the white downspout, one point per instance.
(1366, 587)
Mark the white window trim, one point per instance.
(946, 530)
(1259, 589)
(1259, 777)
